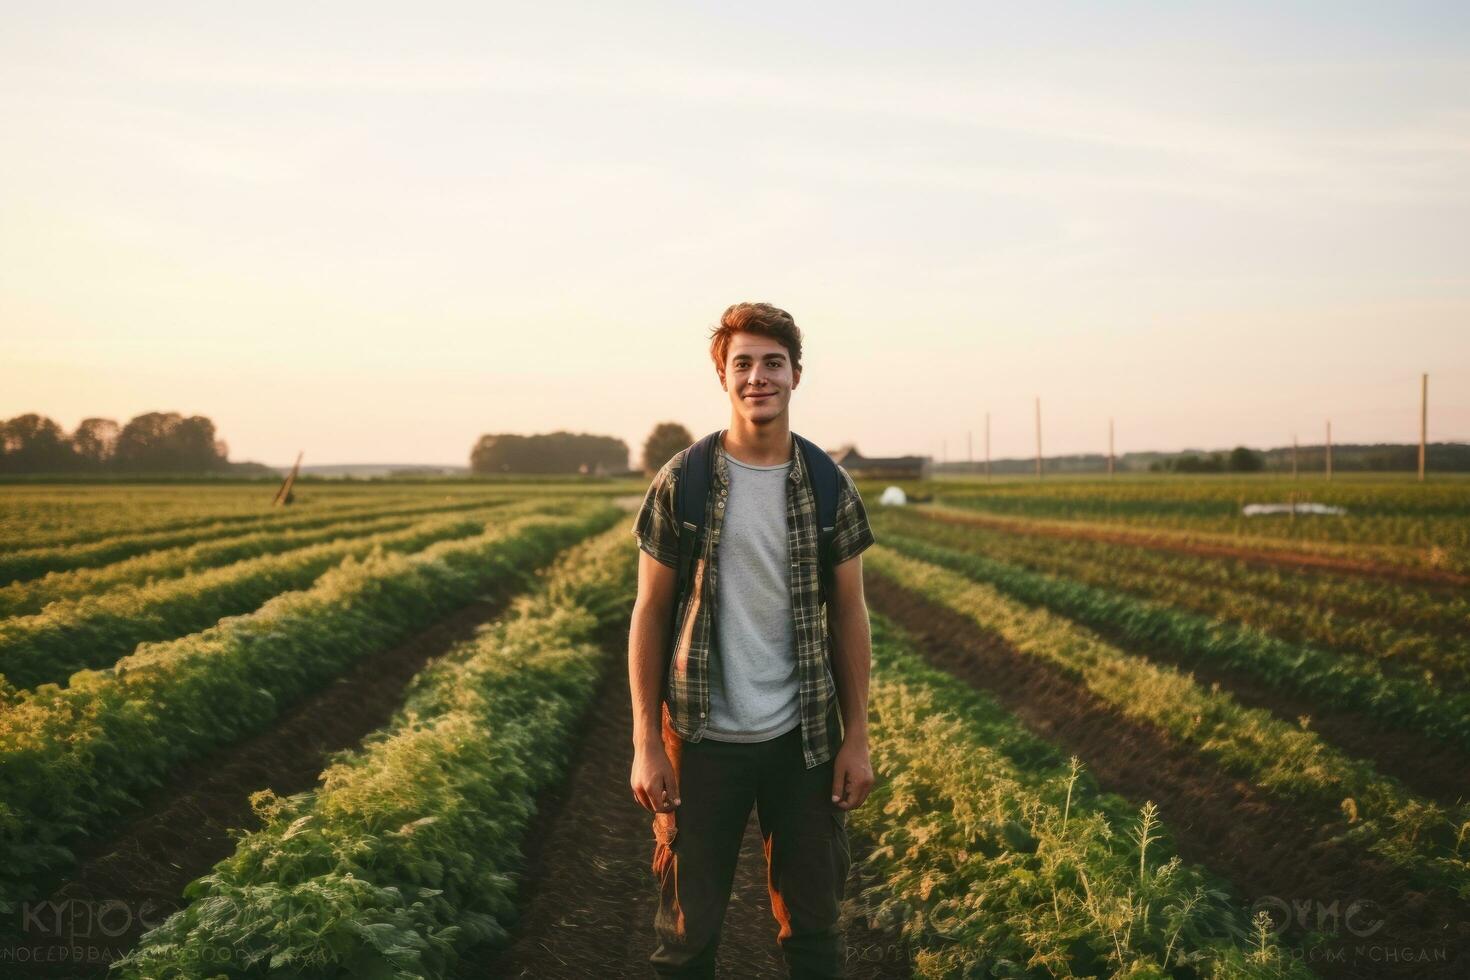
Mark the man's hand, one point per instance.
(653, 781)
(852, 775)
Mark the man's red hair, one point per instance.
(757, 318)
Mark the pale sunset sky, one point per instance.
(377, 231)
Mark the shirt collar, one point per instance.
(722, 474)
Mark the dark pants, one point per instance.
(696, 847)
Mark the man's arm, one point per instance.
(653, 782)
(852, 658)
(852, 642)
(852, 639)
(646, 640)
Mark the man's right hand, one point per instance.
(653, 781)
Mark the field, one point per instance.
(1119, 730)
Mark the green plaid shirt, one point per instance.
(657, 531)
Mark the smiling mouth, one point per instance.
(757, 397)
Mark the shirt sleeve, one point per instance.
(655, 527)
(853, 535)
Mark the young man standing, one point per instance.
(767, 688)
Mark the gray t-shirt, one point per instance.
(755, 687)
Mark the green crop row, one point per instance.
(1335, 681)
(32, 596)
(1160, 500)
(58, 514)
(1291, 762)
(44, 515)
(1385, 620)
(52, 514)
(95, 630)
(29, 563)
(73, 759)
(409, 850)
(1398, 495)
(1436, 537)
(996, 857)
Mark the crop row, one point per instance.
(1438, 540)
(32, 596)
(93, 631)
(1390, 620)
(21, 565)
(72, 759)
(50, 514)
(58, 514)
(993, 854)
(409, 850)
(1333, 681)
(1291, 762)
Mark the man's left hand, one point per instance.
(852, 775)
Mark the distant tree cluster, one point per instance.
(1239, 460)
(157, 442)
(554, 452)
(666, 439)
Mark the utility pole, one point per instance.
(1110, 448)
(1423, 420)
(1329, 449)
(987, 447)
(969, 453)
(1293, 455)
(1038, 437)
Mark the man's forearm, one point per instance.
(646, 639)
(852, 660)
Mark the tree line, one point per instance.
(155, 442)
(574, 452)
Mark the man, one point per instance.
(760, 673)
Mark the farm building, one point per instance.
(875, 468)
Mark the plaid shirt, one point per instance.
(657, 531)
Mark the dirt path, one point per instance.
(1161, 541)
(589, 892)
(184, 828)
(1268, 848)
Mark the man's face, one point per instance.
(759, 377)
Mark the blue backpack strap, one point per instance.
(825, 485)
(696, 474)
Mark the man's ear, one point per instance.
(795, 378)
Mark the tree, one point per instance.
(1194, 463)
(35, 444)
(555, 452)
(94, 442)
(666, 439)
(167, 442)
(1243, 460)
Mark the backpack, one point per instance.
(696, 474)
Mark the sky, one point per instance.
(376, 232)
